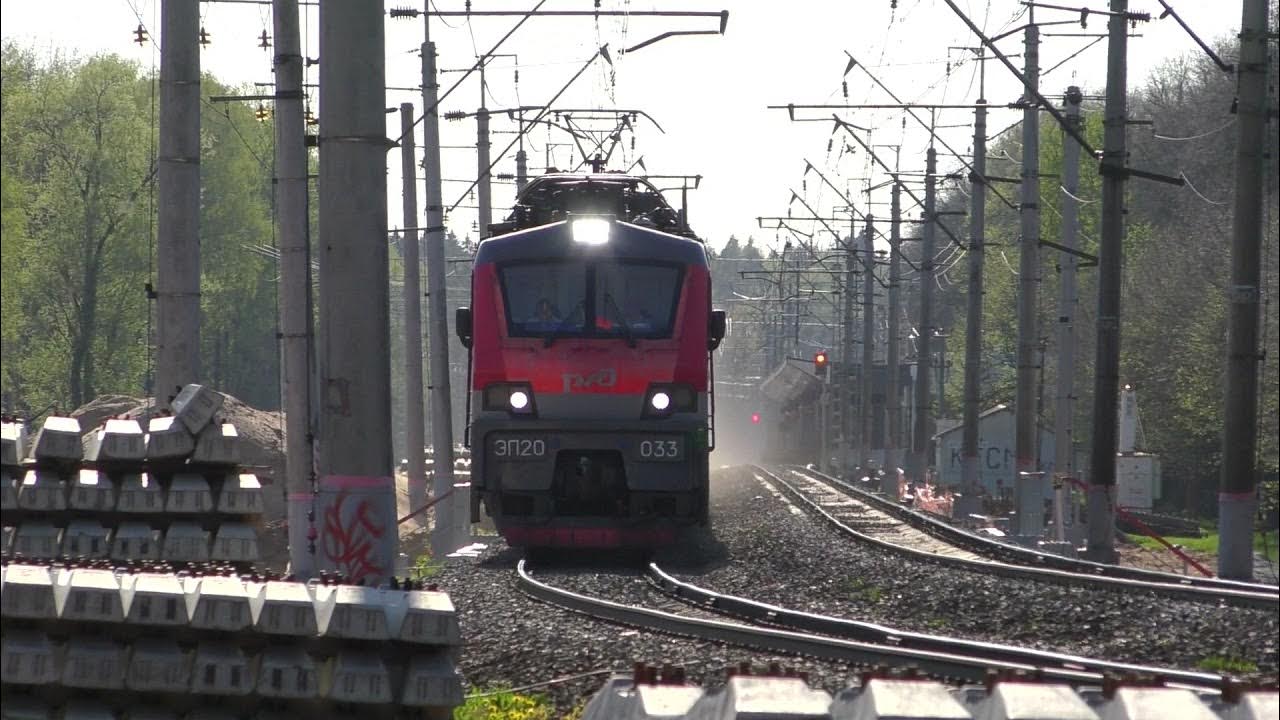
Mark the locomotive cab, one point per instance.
(590, 407)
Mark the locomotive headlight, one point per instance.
(514, 398)
(666, 398)
(519, 400)
(660, 401)
(590, 230)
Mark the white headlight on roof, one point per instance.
(590, 230)
(519, 400)
(660, 401)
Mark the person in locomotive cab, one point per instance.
(544, 316)
(643, 321)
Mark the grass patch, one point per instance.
(1267, 545)
(862, 590)
(505, 705)
(937, 623)
(1207, 544)
(1227, 664)
(425, 567)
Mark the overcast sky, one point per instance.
(709, 93)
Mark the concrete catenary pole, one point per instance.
(868, 340)
(848, 460)
(357, 504)
(941, 369)
(294, 289)
(1236, 494)
(449, 514)
(969, 500)
(1064, 406)
(1106, 384)
(178, 180)
(893, 393)
(414, 423)
(484, 186)
(1027, 485)
(919, 458)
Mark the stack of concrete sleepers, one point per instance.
(645, 696)
(128, 589)
(171, 493)
(179, 644)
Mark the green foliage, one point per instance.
(1207, 544)
(238, 292)
(79, 137)
(504, 705)
(425, 566)
(860, 589)
(76, 143)
(1227, 664)
(1175, 277)
(1268, 544)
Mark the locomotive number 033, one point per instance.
(519, 448)
(660, 449)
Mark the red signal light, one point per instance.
(820, 363)
(755, 418)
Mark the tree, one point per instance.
(78, 141)
(238, 292)
(1175, 276)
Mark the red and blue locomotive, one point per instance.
(590, 334)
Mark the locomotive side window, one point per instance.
(644, 296)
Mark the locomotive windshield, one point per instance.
(600, 299)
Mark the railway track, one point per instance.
(882, 522)
(866, 519)
(702, 614)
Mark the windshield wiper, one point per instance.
(622, 320)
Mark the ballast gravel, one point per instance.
(763, 548)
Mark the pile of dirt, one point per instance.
(108, 406)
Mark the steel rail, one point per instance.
(1242, 598)
(937, 664)
(1026, 556)
(758, 612)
